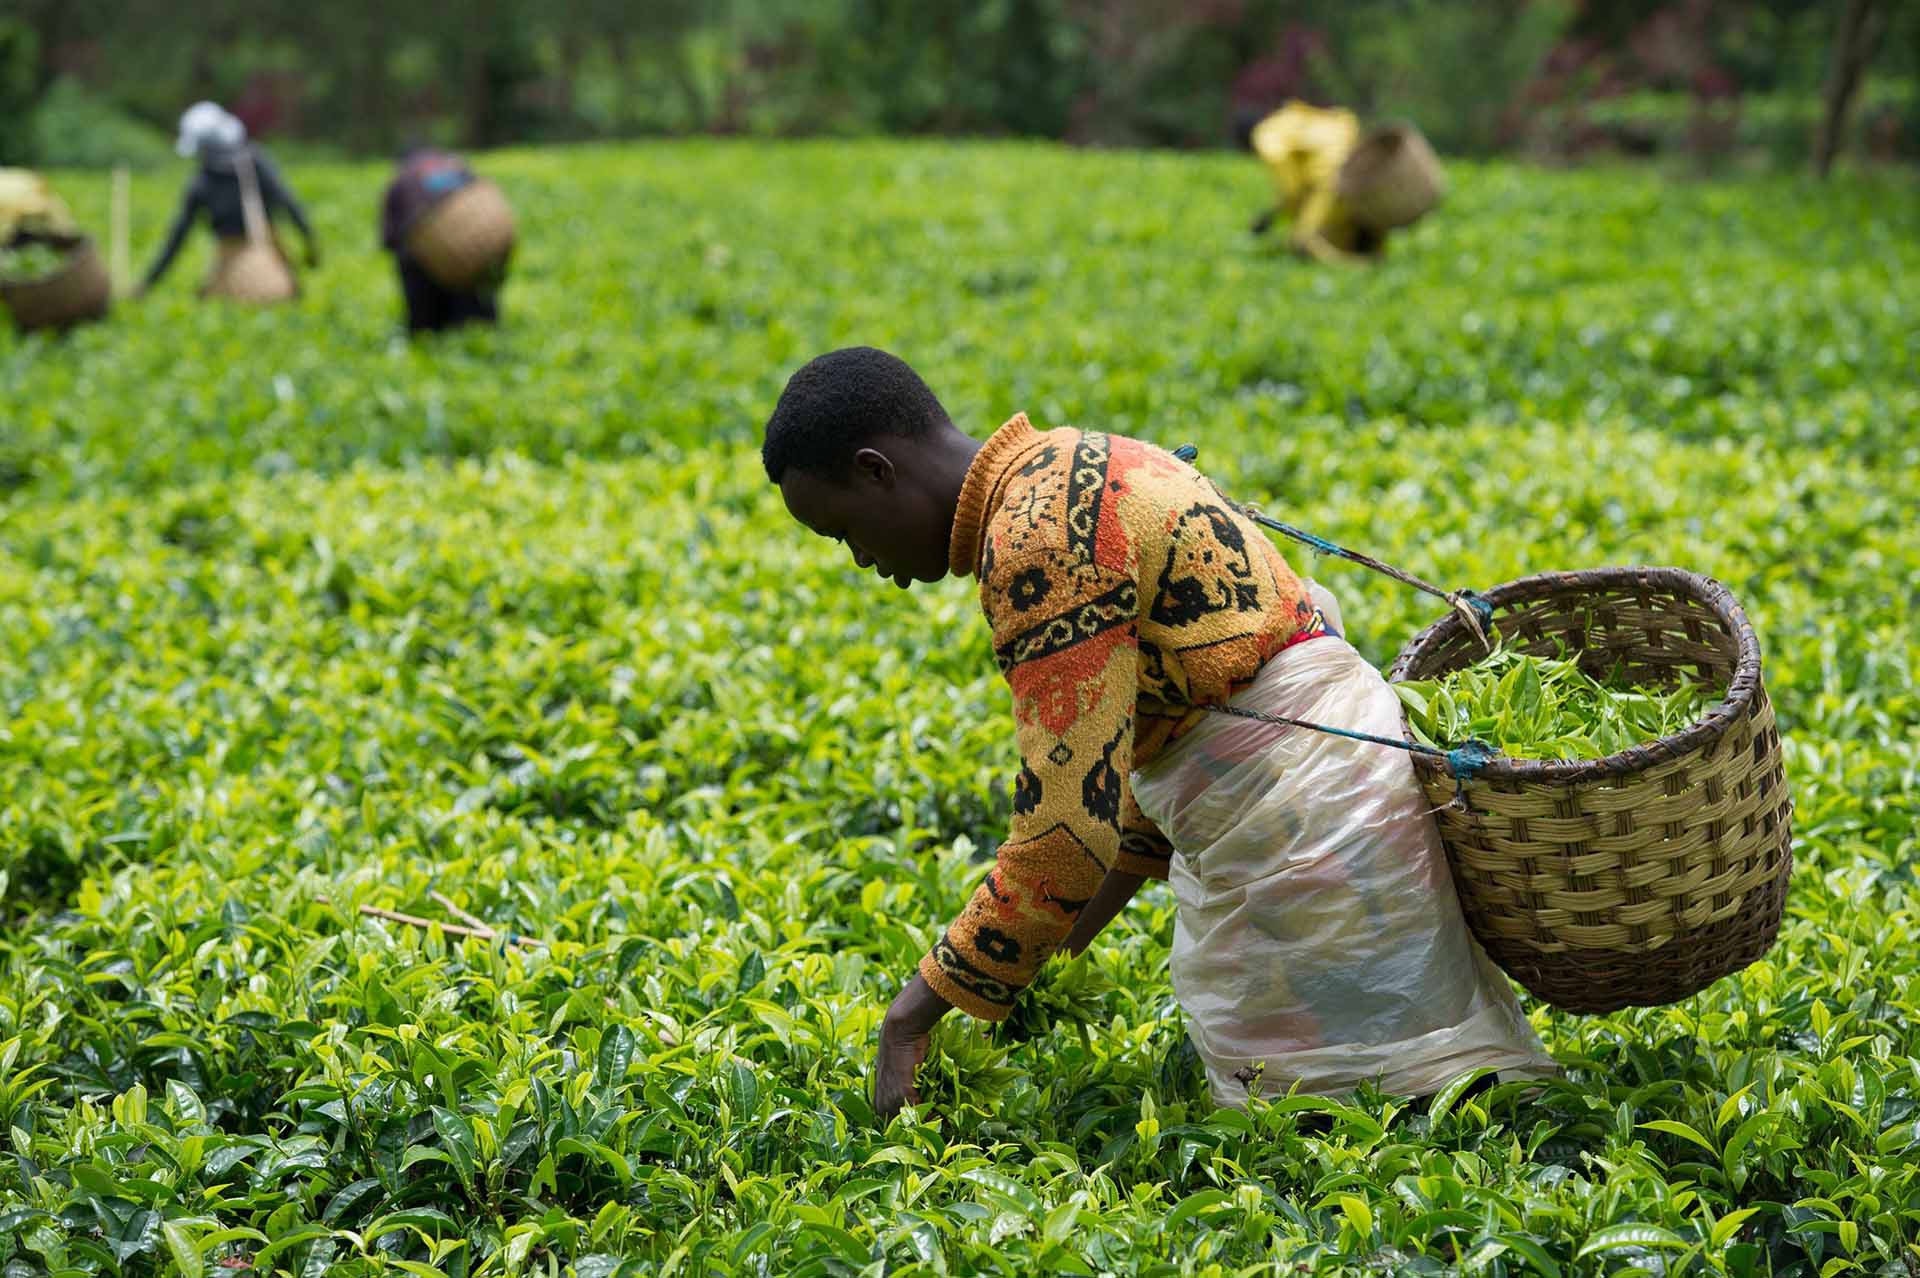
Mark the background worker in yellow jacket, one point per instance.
(29, 208)
(50, 275)
(1334, 213)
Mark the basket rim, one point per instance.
(1742, 688)
(79, 248)
(428, 214)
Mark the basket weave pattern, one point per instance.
(78, 291)
(255, 272)
(1392, 179)
(466, 238)
(1640, 878)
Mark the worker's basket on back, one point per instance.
(251, 270)
(1392, 179)
(463, 241)
(77, 291)
(1637, 879)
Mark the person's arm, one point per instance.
(176, 235)
(274, 190)
(1309, 228)
(1116, 890)
(905, 1034)
(1145, 853)
(1066, 637)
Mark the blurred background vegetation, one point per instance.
(88, 82)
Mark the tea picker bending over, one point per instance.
(424, 180)
(1318, 940)
(1342, 191)
(220, 142)
(51, 277)
(29, 209)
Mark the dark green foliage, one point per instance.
(19, 91)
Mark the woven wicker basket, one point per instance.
(77, 292)
(1637, 879)
(252, 271)
(465, 240)
(1392, 179)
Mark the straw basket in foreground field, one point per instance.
(1640, 878)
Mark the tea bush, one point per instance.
(296, 617)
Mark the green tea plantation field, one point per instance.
(297, 617)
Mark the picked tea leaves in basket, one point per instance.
(1536, 707)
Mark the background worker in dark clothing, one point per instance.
(425, 178)
(220, 141)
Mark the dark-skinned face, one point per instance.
(891, 524)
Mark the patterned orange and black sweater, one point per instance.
(1124, 593)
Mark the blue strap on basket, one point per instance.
(1465, 761)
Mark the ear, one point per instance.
(874, 466)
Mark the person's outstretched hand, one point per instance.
(904, 1035)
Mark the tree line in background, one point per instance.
(94, 81)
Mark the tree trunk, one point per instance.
(1852, 49)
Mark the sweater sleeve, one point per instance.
(1144, 850)
(1065, 635)
(190, 206)
(274, 191)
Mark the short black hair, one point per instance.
(839, 401)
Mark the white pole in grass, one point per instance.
(119, 254)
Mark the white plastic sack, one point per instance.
(1318, 939)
